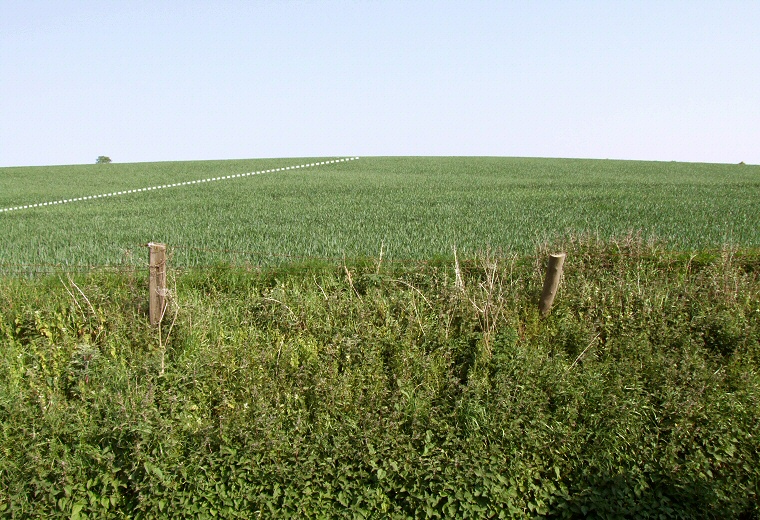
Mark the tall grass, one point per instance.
(388, 390)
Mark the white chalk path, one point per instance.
(174, 185)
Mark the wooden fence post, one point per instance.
(553, 274)
(157, 286)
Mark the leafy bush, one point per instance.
(362, 392)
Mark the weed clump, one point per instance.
(393, 390)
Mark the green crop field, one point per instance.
(352, 387)
(412, 207)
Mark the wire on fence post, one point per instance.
(157, 285)
(551, 282)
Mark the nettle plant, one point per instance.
(389, 390)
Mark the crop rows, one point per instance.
(410, 207)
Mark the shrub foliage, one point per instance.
(375, 390)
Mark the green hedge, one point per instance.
(368, 391)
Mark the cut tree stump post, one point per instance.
(551, 282)
(157, 286)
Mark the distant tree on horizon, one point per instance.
(103, 159)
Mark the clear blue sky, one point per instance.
(186, 80)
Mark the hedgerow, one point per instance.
(384, 390)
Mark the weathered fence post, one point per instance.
(553, 274)
(157, 286)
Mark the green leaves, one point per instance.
(396, 405)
